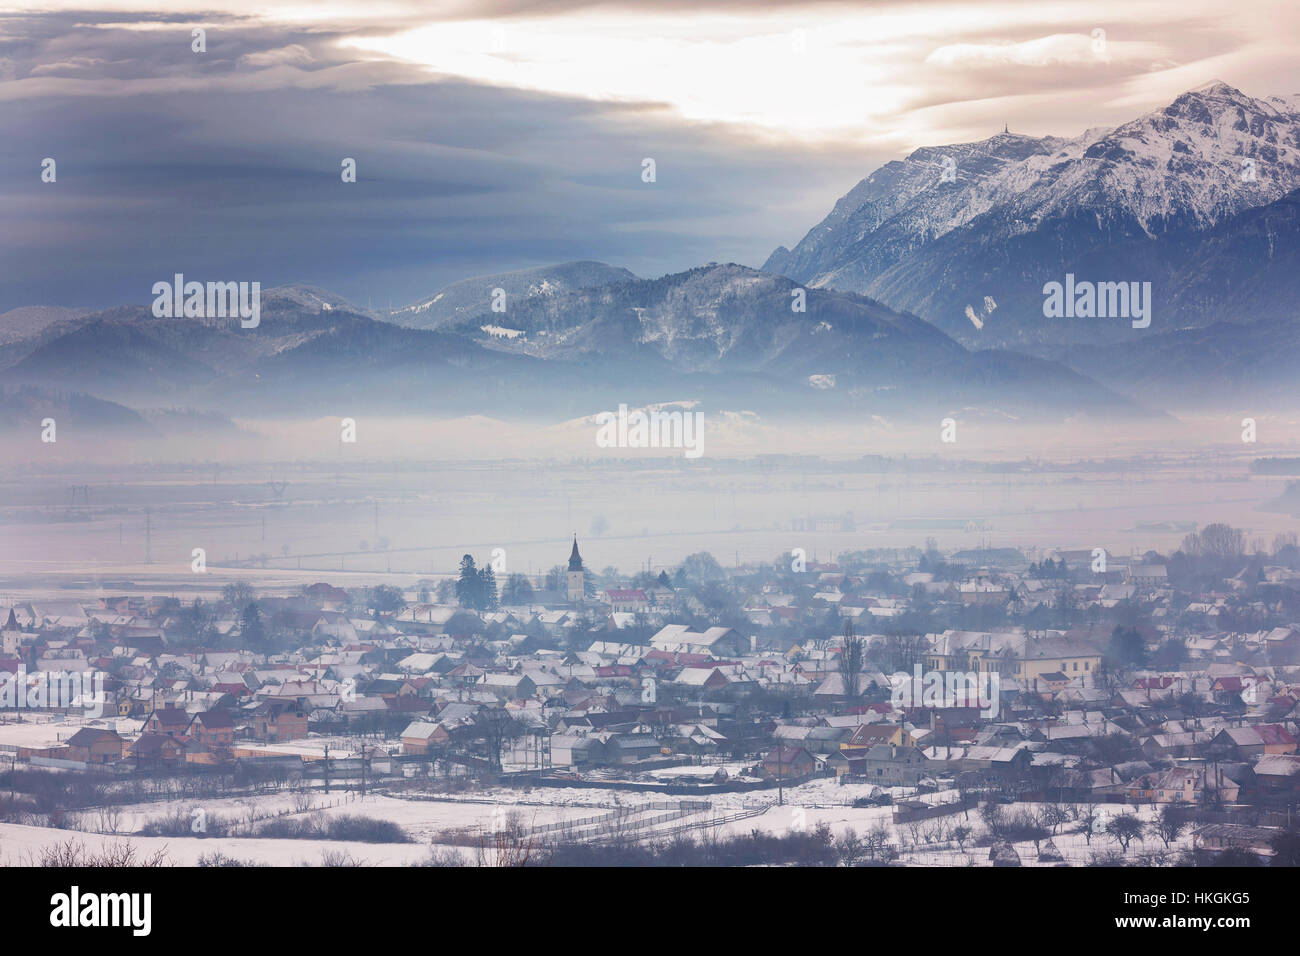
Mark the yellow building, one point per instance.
(1052, 655)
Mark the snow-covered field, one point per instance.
(445, 819)
(19, 844)
(51, 730)
(425, 820)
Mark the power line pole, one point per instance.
(780, 777)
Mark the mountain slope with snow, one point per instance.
(1009, 223)
(470, 297)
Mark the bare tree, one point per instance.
(1054, 815)
(851, 660)
(1087, 817)
(1215, 540)
(961, 833)
(110, 819)
(1124, 829)
(877, 841)
(850, 847)
(1170, 825)
(496, 728)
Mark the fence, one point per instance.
(1241, 816)
(909, 812)
(716, 821)
(247, 823)
(625, 821)
(243, 827)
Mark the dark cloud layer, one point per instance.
(168, 162)
(225, 165)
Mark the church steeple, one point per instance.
(576, 591)
(575, 559)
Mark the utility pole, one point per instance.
(780, 777)
(327, 769)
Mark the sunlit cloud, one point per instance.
(775, 78)
(294, 54)
(1061, 49)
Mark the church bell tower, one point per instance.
(576, 590)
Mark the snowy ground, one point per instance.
(51, 730)
(19, 844)
(466, 816)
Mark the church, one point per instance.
(576, 590)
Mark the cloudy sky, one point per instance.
(494, 136)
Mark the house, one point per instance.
(509, 686)
(871, 735)
(421, 736)
(629, 600)
(277, 721)
(1006, 762)
(631, 747)
(570, 750)
(1282, 645)
(1179, 785)
(1212, 840)
(1278, 774)
(826, 740)
(1276, 738)
(92, 745)
(1239, 742)
(788, 763)
(1056, 655)
(705, 678)
(981, 590)
(1049, 684)
(151, 750)
(979, 651)
(1148, 576)
(717, 642)
(213, 729)
(168, 720)
(888, 765)
(1185, 743)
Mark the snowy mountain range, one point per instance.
(942, 230)
(920, 295)
(467, 296)
(725, 336)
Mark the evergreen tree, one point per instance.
(487, 589)
(469, 586)
(517, 590)
(251, 626)
(1127, 649)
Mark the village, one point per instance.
(1133, 710)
